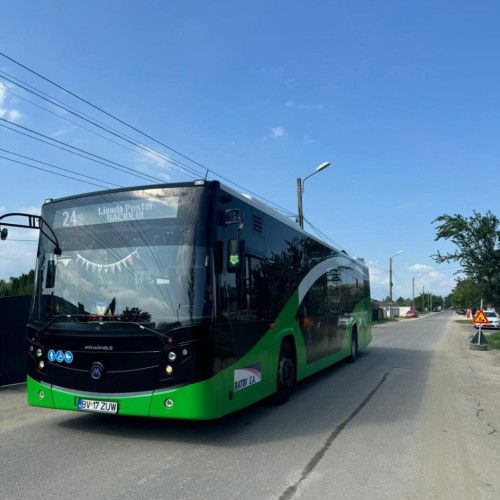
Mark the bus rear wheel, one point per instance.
(285, 379)
(354, 346)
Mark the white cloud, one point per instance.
(13, 115)
(59, 133)
(422, 268)
(10, 114)
(154, 163)
(293, 104)
(413, 278)
(311, 106)
(378, 276)
(277, 132)
(2, 93)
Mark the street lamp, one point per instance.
(390, 274)
(300, 190)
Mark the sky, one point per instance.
(401, 97)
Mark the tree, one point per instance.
(23, 285)
(467, 294)
(478, 252)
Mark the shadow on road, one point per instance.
(319, 404)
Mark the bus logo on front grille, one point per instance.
(96, 371)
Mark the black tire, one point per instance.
(354, 347)
(285, 378)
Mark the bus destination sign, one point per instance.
(117, 211)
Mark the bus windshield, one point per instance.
(144, 268)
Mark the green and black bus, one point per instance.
(186, 301)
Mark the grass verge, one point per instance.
(493, 340)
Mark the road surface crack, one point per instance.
(291, 490)
(479, 414)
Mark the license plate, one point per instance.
(97, 406)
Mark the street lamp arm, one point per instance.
(300, 190)
(318, 169)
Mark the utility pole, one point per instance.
(390, 281)
(299, 201)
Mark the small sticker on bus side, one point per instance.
(245, 377)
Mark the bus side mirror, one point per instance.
(235, 255)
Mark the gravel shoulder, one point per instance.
(460, 431)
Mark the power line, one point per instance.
(95, 158)
(56, 167)
(54, 173)
(101, 110)
(279, 208)
(323, 236)
(96, 123)
(121, 136)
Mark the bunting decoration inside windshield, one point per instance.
(118, 265)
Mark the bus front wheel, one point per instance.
(285, 379)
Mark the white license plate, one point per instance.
(98, 406)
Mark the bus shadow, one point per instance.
(353, 393)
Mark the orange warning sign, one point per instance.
(481, 318)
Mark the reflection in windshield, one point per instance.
(156, 284)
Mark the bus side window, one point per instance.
(228, 295)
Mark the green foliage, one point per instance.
(493, 340)
(477, 239)
(18, 286)
(468, 294)
(137, 315)
(428, 301)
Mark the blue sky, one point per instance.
(402, 97)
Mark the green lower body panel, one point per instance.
(199, 401)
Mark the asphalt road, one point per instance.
(415, 417)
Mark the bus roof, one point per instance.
(242, 196)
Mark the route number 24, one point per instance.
(69, 218)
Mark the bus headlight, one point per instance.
(169, 370)
(41, 365)
(39, 353)
(172, 356)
